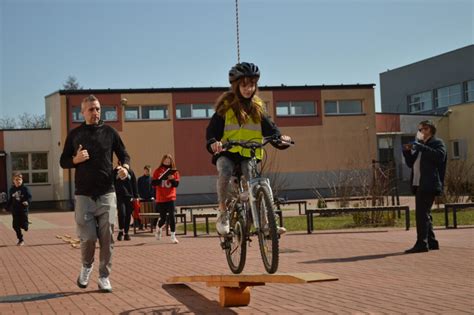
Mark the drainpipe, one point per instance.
(71, 202)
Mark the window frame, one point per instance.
(421, 102)
(209, 111)
(164, 107)
(30, 171)
(449, 96)
(338, 111)
(290, 106)
(467, 91)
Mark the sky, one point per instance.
(192, 43)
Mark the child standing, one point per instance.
(166, 179)
(19, 199)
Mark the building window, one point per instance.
(343, 107)
(456, 151)
(470, 91)
(33, 166)
(76, 114)
(296, 108)
(449, 95)
(146, 112)
(420, 102)
(108, 113)
(190, 111)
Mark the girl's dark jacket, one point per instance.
(16, 197)
(94, 177)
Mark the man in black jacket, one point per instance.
(89, 149)
(427, 158)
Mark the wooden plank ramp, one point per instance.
(234, 290)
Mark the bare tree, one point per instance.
(72, 84)
(7, 123)
(29, 121)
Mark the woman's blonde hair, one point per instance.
(230, 99)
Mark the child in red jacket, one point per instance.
(165, 180)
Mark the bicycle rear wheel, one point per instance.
(267, 232)
(236, 249)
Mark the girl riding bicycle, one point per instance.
(240, 116)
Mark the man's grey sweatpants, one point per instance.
(95, 220)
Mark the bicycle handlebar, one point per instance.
(256, 145)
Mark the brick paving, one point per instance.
(375, 277)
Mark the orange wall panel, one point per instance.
(192, 158)
(387, 123)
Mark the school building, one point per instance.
(333, 127)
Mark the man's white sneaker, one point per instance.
(104, 284)
(281, 230)
(222, 224)
(84, 276)
(174, 240)
(158, 233)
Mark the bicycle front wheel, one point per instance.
(236, 250)
(267, 232)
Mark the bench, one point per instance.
(279, 202)
(234, 290)
(198, 208)
(206, 216)
(324, 211)
(455, 207)
(148, 214)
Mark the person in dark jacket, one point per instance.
(89, 149)
(426, 157)
(145, 189)
(240, 115)
(126, 191)
(19, 199)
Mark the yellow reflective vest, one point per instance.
(251, 130)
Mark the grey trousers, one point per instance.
(95, 220)
(225, 166)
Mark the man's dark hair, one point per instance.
(148, 167)
(430, 124)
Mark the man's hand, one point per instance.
(25, 203)
(122, 172)
(81, 155)
(285, 138)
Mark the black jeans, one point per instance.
(424, 221)
(20, 221)
(166, 210)
(124, 211)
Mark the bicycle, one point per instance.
(251, 212)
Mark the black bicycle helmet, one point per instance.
(244, 69)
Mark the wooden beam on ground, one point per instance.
(234, 290)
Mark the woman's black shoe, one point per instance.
(127, 237)
(119, 236)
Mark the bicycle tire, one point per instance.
(236, 251)
(267, 232)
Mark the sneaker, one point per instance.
(174, 240)
(104, 284)
(120, 236)
(281, 230)
(84, 276)
(222, 224)
(158, 234)
(20, 243)
(126, 237)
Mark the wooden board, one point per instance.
(234, 290)
(255, 278)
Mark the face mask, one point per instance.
(420, 136)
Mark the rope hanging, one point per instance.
(237, 28)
